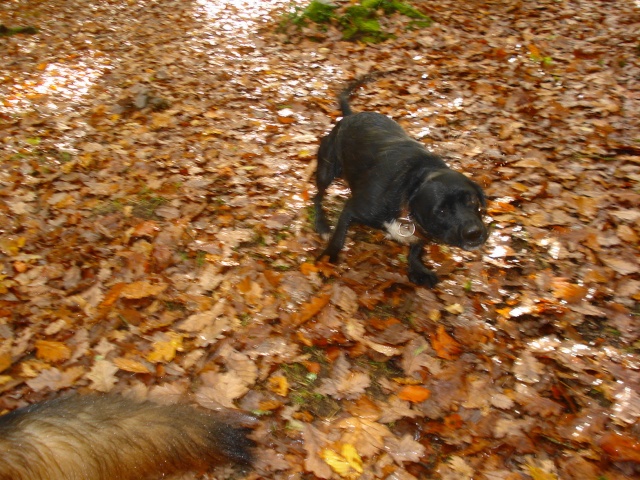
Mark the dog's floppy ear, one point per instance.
(481, 196)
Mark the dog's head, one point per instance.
(449, 207)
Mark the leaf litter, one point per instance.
(156, 233)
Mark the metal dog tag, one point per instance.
(406, 228)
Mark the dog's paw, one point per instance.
(328, 256)
(423, 277)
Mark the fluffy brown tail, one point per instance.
(97, 437)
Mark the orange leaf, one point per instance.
(312, 367)
(245, 285)
(5, 361)
(147, 228)
(444, 344)
(112, 295)
(327, 269)
(453, 421)
(533, 50)
(286, 120)
(496, 208)
(310, 309)
(273, 277)
(52, 351)
(620, 448)
(269, 405)
(307, 268)
(130, 365)
(142, 289)
(569, 292)
(279, 385)
(414, 393)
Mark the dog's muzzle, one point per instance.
(473, 236)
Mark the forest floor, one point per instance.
(156, 237)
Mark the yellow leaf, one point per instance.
(279, 386)
(349, 466)
(352, 457)
(10, 245)
(539, 474)
(337, 463)
(165, 350)
(454, 308)
(52, 351)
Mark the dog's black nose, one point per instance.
(472, 233)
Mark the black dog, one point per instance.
(396, 185)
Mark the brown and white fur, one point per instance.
(107, 437)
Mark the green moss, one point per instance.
(358, 22)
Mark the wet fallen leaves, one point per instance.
(156, 236)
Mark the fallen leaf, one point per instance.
(620, 448)
(279, 385)
(347, 463)
(130, 365)
(102, 375)
(52, 351)
(142, 289)
(165, 350)
(414, 393)
(444, 344)
(310, 309)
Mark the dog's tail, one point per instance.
(98, 437)
(345, 94)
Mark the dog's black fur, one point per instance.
(391, 175)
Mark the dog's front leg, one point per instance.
(321, 224)
(418, 272)
(339, 234)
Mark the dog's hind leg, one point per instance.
(418, 272)
(340, 233)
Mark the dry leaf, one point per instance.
(444, 344)
(347, 463)
(620, 448)
(52, 351)
(279, 385)
(142, 289)
(314, 443)
(165, 350)
(621, 266)
(343, 382)
(102, 375)
(130, 365)
(365, 435)
(569, 292)
(310, 309)
(413, 393)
